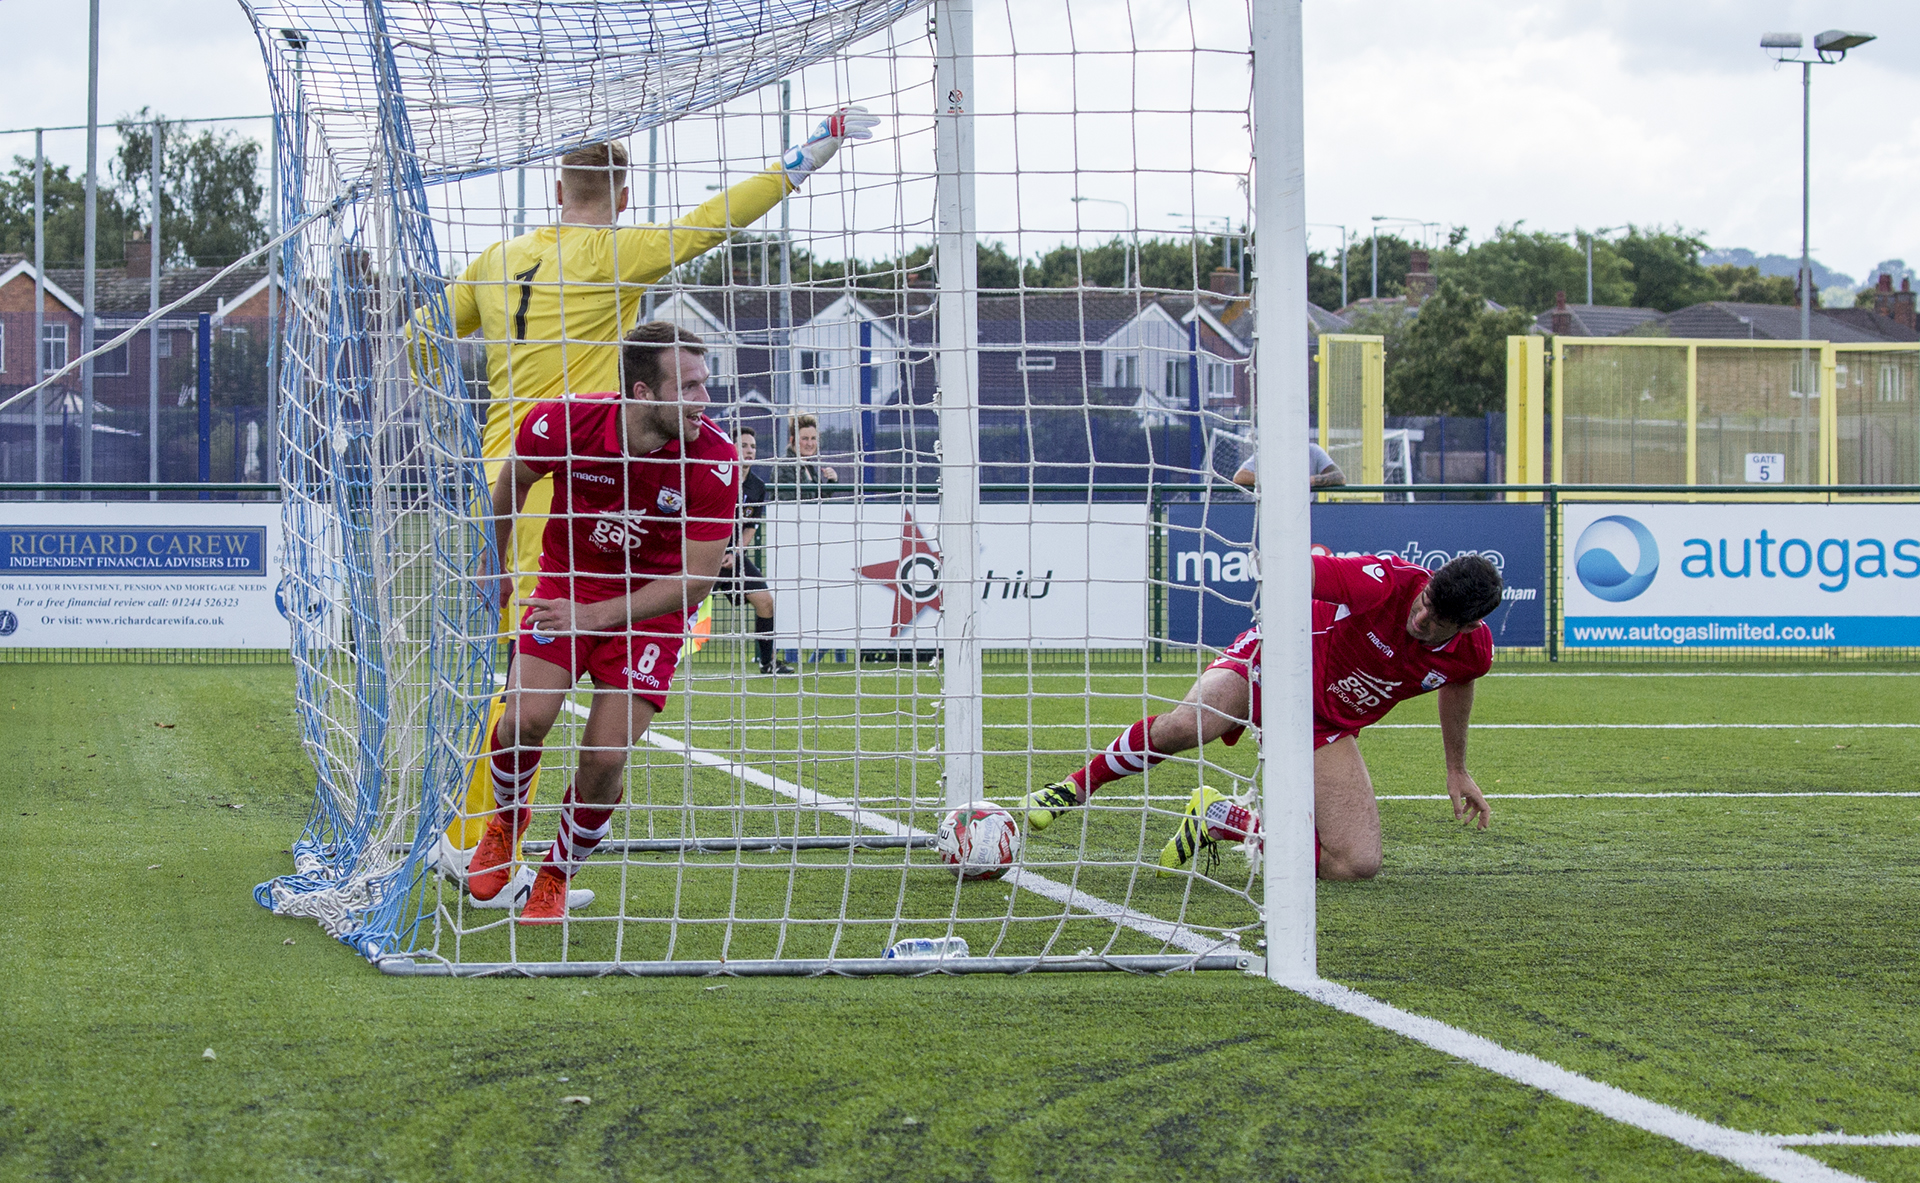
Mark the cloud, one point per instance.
(1472, 112)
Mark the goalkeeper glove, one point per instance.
(848, 123)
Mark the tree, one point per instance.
(1666, 268)
(211, 198)
(1528, 270)
(1745, 285)
(66, 212)
(1451, 359)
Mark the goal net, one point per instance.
(998, 362)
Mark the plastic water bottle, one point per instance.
(924, 948)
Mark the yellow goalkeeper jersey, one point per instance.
(552, 304)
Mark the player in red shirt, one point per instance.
(644, 492)
(1384, 631)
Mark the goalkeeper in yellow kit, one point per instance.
(552, 304)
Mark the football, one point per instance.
(980, 841)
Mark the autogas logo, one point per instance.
(1615, 558)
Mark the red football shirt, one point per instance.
(619, 520)
(1363, 659)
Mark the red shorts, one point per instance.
(640, 661)
(1243, 658)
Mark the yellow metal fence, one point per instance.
(1666, 411)
(1352, 409)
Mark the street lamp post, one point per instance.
(1134, 232)
(1829, 49)
(1589, 237)
(1343, 257)
(1377, 219)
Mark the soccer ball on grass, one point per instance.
(980, 841)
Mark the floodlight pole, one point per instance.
(153, 306)
(1280, 411)
(90, 281)
(40, 311)
(653, 199)
(1806, 200)
(783, 340)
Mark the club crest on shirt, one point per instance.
(670, 501)
(1433, 681)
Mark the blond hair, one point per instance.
(594, 169)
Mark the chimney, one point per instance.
(1903, 305)
(1419, 280)
(1224, 281)
(1562, 316)
(139, 247)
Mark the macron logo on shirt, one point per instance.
(724, 472)
(1378, 572)
(540, 427)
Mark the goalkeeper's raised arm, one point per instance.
(551, 304)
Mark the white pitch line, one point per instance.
(1658, 726)
(1843, 1139)
(1711, 674)
(1763, 1154)
(1648, 796)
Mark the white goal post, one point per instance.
(982, 368)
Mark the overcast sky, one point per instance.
(1470, 112)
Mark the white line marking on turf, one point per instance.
(1763, 1154)
(1649, 796)
(1658, 726)
(1843, 1139)
(1177, 935)
(1710, 674)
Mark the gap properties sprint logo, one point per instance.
(1615, 558)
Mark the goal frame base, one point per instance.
(421, 966)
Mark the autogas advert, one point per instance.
(1748, 575)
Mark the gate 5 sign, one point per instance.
(1808, 576)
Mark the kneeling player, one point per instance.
(644, 492)
(1383, 631)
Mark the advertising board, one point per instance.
(134, 575)
(1767, 575)
(869, 576)
(1212, 572)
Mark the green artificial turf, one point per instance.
(1751, 960)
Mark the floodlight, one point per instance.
(1780, 41)
(1840, 41)
(295, 39)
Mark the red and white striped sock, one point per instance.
(581, 829)
(1128, 755)
(513, 770)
